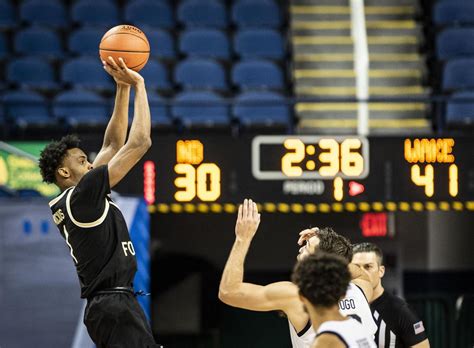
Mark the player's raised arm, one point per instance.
(235, 292)
(116, 131)
(139, 139)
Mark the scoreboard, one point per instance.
(308, 172)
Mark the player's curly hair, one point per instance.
(53, 155)
(333, 243)
(322, 278)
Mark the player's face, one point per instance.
(369, 263)
(308, 248)
(77, 163)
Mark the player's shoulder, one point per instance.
(59, 199)
(329, 339)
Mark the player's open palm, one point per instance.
(248, 220)
(121, 73)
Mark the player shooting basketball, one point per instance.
(92, 224)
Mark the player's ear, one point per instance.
(64, 172)
(381, 271)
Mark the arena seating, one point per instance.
(200, 50)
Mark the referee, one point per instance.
(93, 226)
(397, 325)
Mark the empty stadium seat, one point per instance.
(205, 43)
(156, 75)
(261, 108)
(150, 13)
(7, 14)
(259, 43)
(256, 13)
(460, 109)
(86, 72)
(160, 117)
(38, 42)
(31, 72)
(453, 12)
(455, 43)
(200, 73)
(85, 41)
(81, 109)
(50, 13)
(4, 51)
(257, 74)
(27, 109)
(458, 74)
(200, 109)
(161, 44)
(93, 12)
(203, 13)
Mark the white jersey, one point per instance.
(349, 331)
(354, 304)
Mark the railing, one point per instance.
(361, 64)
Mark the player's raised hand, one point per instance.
(121, 73)
(307, 234)
(248, 219)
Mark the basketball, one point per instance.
(127, 42)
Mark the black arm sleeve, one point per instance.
(412, 330)
(88, 199)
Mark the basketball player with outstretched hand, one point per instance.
(93, 226)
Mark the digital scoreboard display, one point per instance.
(352, 172)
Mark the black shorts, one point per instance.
(116, 321)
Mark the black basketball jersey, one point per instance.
(397, 325)
(96, 233)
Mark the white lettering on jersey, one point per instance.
(128, 246)
(58, 216)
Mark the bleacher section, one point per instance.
(323, 66)
(202, 52)
(453, 23)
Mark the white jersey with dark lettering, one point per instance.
(349, 331)
(354, 304)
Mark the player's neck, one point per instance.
(320, 315)
(378, 291)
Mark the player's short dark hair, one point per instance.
(333, 243)
(368, 248)
(322, 278)
(53, 155)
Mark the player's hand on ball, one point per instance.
(248, 220)
(120, 72)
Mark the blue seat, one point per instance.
(6, 192)
(156, 75)
(455, 43)
(159, 111)
(157, 14)
(203, 13)
(453, 12)
(31, 72)
(28, 193)
(259, 43)
(200, 74)
(458, 74)
(200, 109)
(262, 108)
(7, 15)
(81, 108)
(257, 74)
(86, 72)
(93, 12)
(161, 44)
(256, 13)
(460, 109)
(38, 42)
(49, 13)
(205, 43)
(27, 109)
(85, 41)
(4, 51)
